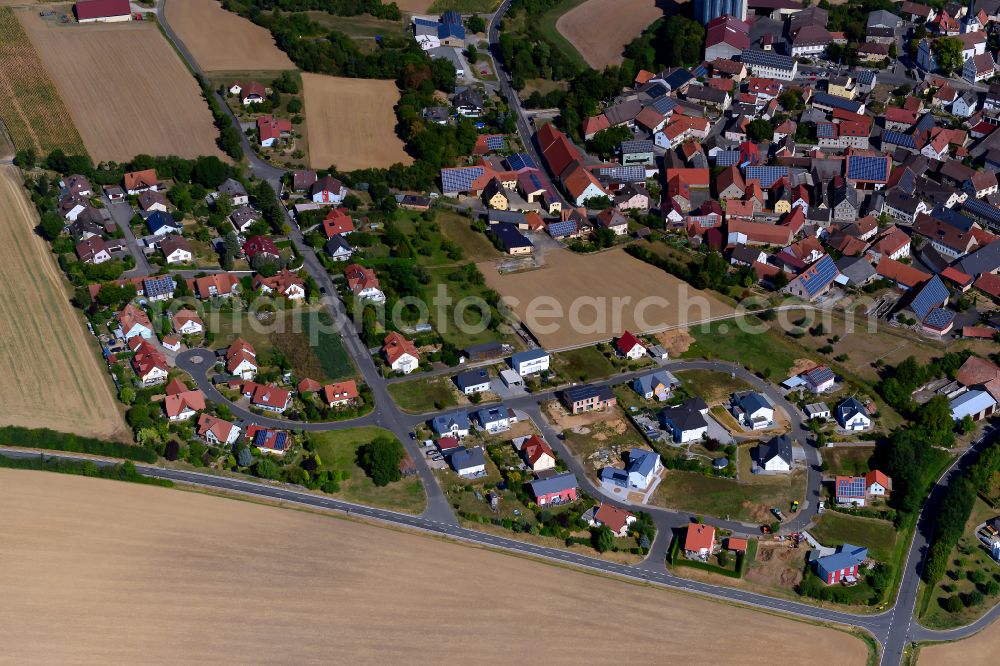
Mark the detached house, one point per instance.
(132, 322)
(641, 470)
(241, 359)
(615, 519)
(363, 283)
(776, 454)
(858, 490)
(148, 362)
(554, 489)
(659, 384)
(588, 398)
(686, 423)
(284, 283)
(843, 565)
(187, 322)
(216, 431)
(752, 410)
(530, 362)
(328, 191)
(140, 181)
(400, 353)
(852, 415)
(699, 541)
(537, 454)
(451, 425)
(630, 347)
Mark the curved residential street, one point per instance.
(892, 628)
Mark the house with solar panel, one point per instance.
(859, 490)
(820, 379)
(814, 281)
(158, 288)
(927, 304)
(868, 171)
(770, 64)
(266, 440)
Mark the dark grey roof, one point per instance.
(474, 377)
(777, 447)
(858, 270)
(984, 260)
(687, 416)
(466, 458)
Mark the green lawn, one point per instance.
(458, 229)
(466, 315)
(463, 6)
(424, 395)
(583, 364)
(363, 26)
(337, 449)
(712, 386)
(749, 501)
(847, 460)
(769, 353)
(328, 346)
(227, 326)
(835, 529)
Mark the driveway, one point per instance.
(122, 213)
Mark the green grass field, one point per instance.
(424, 395)
(458, 229)
(583, 364)
(328, 347)
(712, 386)
(847, 460)
(463, 6)
(769, 353)
(337, 449)
(835, 529)
(749, 501)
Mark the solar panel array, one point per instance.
(519, 161)
(656, 90)
(699, 71)
(536, 180)
(826, 131)
(819, 275)
(939, 318)
(982, 210)
(767, 59)
(637, 146)
(930, 296)
(853, 486)
(836, 102)
(725, 158)
(495, 142)
(562, 228)
(627, 174)
(154, 287)
(459, 179)
(767, 175)
(869, 168)
(925, 123)
(866, 76)
(898, 138)
(664, 105)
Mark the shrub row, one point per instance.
(123, 472)
(43, 438)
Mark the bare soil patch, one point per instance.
(675, 341)
(776, 565)
(94, 548)
(414, 6)
(801, 365)
(51, 375)
(600, 29)
(351, 122)
(979, 650)
(220, 40)
(580, 299)
(127, 90)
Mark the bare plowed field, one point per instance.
(222, 41)
(32, 112)
(600, 29)
(50, 373)
(166, 581)
(579, 299)
(127, 90)
(351, 122)
(980, 650)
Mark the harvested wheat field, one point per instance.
(579, 299)
(351, 122)
(220, 40)
(979, 650)
(51, 375)
(414, 6)
(111, 572)
(127, 90)
(600, 29)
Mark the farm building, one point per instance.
(103, 11)
(842, 565)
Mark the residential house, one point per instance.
(187, 322)
(217, 285)
(267, 440)
(132, 322)
(269, 398)
(250, 92)
(852, 415)
(555, 489)
(339, 249)
(630, 347)
(609, 218)
(860, 490)
(176, 250)
(530, 362)
(137, 182)
(587, 398)
(181, 403)
(815, 280)
(159, 288)
(659, 384)
(337, 222)
(537, 454)
(473, 381)
(93, 250)
(261, 247)
(283, 283)
(820, 379)
(844, 565)
(615, 519)
(451, 425)
(151, 200)
(469, 462)
(752, 410)
(328, 191)
(241, 359)
(642, 469)
(270, 130)
(979, 67)
(216, 431)
(160, 223)
(699, 541)
(339, 394)
(244, 217)
(775, 455)
(400, 353)
(234, 190)
(303, 180)
(148, 362)
(363, 283)
(686, 422)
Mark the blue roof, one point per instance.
(952, 217)
(939, 318)
(982, 210)
(751, 402)
(530, 355)
(656, 90)
(678, 78)
(519, 161)
(826, 130)
(868, 167)
(642, 461)
(585, 391)
(459, 179)
(818, 276)
(553, 484)
(496, 141)
(846, 557)
(849, 408)
(614, 475)
(866, 76)
(767, 175)
(565, 228)
(664, 105)
(851, 486)
(820, 374)
(645, 382)
(727, 157)
(427, 23)
(158, 220)
(930, 296)
(836, 102)
(699, 70)
(445, 423)
(153, 287)
(924, 123)
(451, 17)
(488, 414)
(446, 30)
(907, 181)
(898, 138)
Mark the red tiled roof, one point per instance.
(989, 284)
(627, 342)
(340, 392)
(612, 517)
(395, 345)
(699, 537)
(179, 402)
(337, 221)
(96, 9)
(534, 448)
